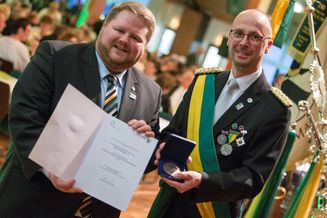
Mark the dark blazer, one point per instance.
(245, 170)
(24, 190)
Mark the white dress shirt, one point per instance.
(243, 83)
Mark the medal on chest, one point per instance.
(226, 139)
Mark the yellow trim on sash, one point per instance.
(205, 209)
(194, 123)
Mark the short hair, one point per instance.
(5, 9)
(67, 35)
(47, 19)
(54, 5)
(19, 23)
(136, 8)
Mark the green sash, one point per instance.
(204, 159)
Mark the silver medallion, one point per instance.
(226, 149)
(222, 139)
(171, 168)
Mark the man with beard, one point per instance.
(239, 123)
(27, 190)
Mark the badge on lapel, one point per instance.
(226, 138)
(132, 94)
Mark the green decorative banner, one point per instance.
(83, 15)
(301, 43)
(235, 6)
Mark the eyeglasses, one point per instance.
(238, 36)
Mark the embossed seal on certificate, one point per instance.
(170, 168)
(226, 149)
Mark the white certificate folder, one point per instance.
(103, 154)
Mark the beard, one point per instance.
(116, 56)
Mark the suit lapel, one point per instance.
(130, 96)
(90, 72)
(245, 102)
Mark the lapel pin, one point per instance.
(250, 100)
(239, 106)
(133, 88)
(244, 132)
(240, 141)
(132, 95)
(232, 135)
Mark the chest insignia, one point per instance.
(227, 138)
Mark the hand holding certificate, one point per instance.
(104, 155)
(116, 161)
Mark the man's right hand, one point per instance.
(64, 186)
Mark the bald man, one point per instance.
(240, 124)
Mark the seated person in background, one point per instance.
(85, 34)
(151, 69)
(69, 36)
(140, 65)
(12, 47)
(53, 12)
(194, 59)
(4, 14)
(184, 79)
(167, 82)
(47, 28)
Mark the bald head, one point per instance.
(248, 40)
(257, 18)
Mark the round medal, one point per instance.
(226, 149)
(222, 139)
(170, 168)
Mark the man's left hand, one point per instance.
(191, 179)
(140, 126)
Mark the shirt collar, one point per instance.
(245, 81)
(104, 71)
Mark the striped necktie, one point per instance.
(110, 101)
(111, 107)
(85, 209)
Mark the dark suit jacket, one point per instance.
(24, 190)
(245, 170)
